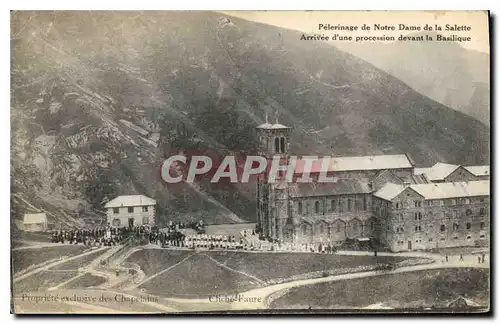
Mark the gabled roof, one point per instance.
(440, 171)
(389, 191)
(478, 170)
(35, 218)
(453, 189)
(272, 126)
(438, 190)
(357, 163)
(130, 201)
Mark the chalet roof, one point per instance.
(438, 190)
(478, 170)
(130, 201)
(340, 187)
(35, 218)
(357, 163)
(265, 125)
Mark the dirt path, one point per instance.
(262, 294)
(234, 270)
(90, 269)
(36, 245)
(134, 286)
(53, 264)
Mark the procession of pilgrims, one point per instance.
(171, 237)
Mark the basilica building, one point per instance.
(383, 198)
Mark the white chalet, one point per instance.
(134, 210)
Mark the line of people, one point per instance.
(89, 237)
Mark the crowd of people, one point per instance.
(102, 236)
(172, 237)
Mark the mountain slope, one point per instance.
(443, 71)
(99, 99)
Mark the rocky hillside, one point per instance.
(99, 99)
(444, 71)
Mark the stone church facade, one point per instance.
(374, 197)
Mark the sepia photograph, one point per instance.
(250, 162)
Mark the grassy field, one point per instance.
(85, 281)
(152, 261)
(79, 262)
(427, 288)
(198, 277)
(22, 259)
(29, 236)
(232, 272)
(267, 266)
(42, 281)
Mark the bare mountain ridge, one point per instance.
(100, 99)
(443, 71)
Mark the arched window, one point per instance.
(316, 207)
(276, 145)
(282, 145)
(300, 207)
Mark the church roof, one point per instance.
(341, 187)
(358, 163)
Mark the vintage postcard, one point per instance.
(250, 162)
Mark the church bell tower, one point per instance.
(272, 198)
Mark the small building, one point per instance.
(132, 210)
(35, 222)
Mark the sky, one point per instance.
(308, 21)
